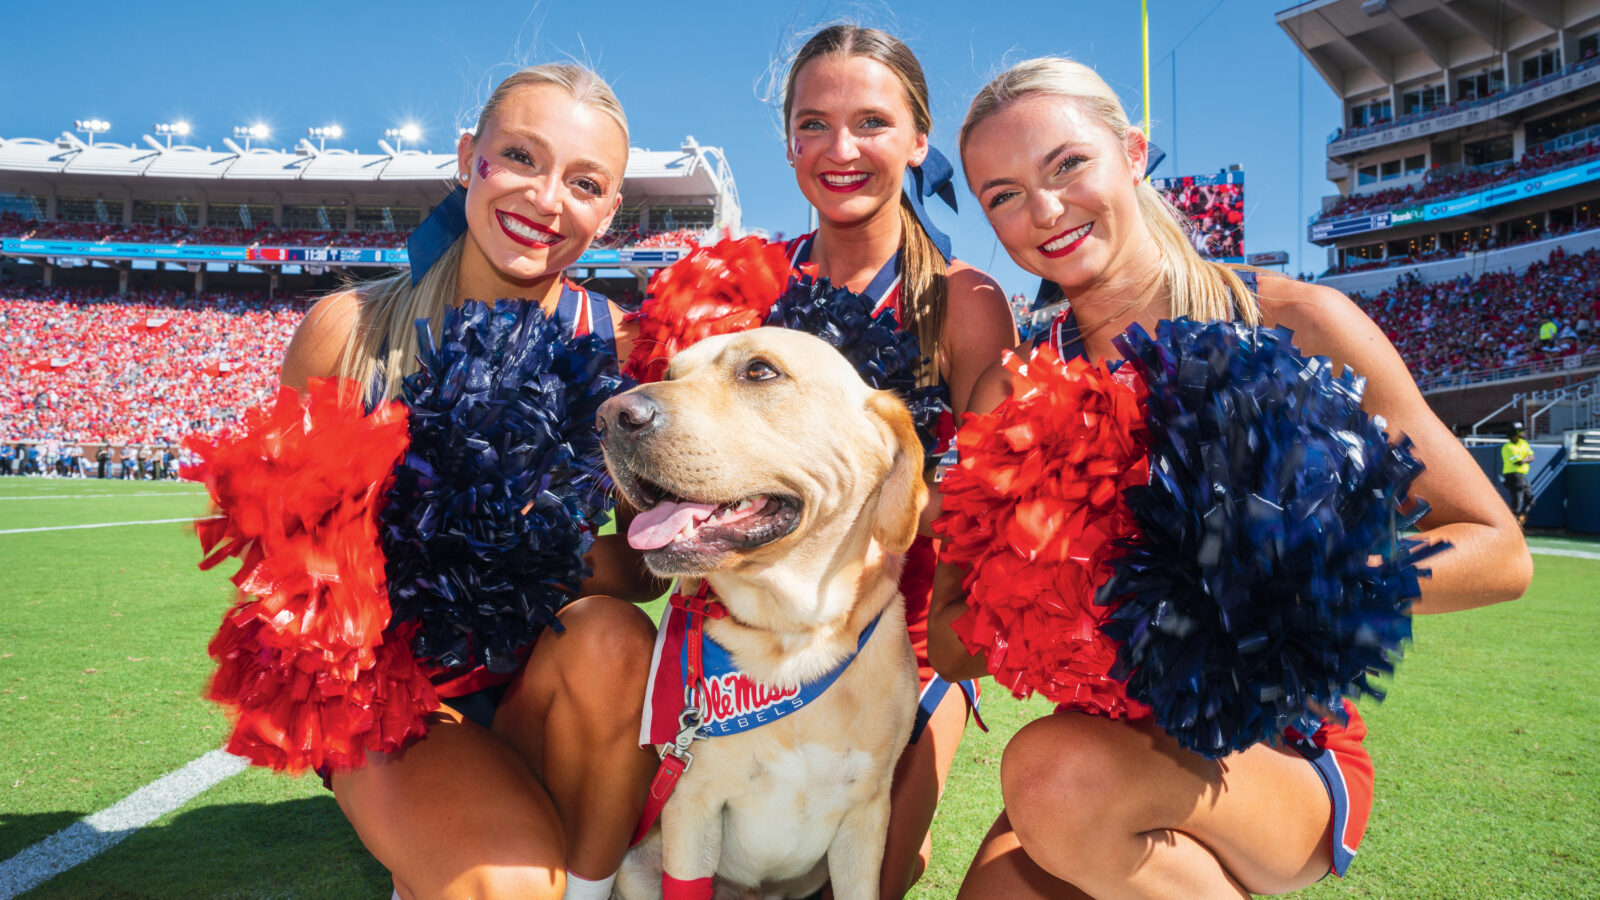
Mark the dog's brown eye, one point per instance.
(758, 370)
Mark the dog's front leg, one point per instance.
(691, 845)
(855, 857)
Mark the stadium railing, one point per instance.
(1555, 366)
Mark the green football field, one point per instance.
(1488, 780)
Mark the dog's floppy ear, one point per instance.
(904, 493)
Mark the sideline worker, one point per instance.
(1515, 457)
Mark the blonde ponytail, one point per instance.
(382, 348)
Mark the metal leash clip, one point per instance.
(688, 732)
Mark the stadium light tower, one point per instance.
(91, 127)
(325, 134)
(257, 131)
(169, 129)
(407, 132)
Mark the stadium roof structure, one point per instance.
(1354, 44)
(33, 165)
(689, 188)
(1442, 101)
(1361, 46)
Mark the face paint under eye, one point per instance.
(483, 168)
(797, 146)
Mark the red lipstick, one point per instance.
(1077, 236)
(510, 222)
(851, 181)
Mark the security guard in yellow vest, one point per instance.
(1516, 456)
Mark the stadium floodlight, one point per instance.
(407, 132)
(325, 134)
(179, 128)
(91, 127)
(258, 131)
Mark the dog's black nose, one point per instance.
(632, 414)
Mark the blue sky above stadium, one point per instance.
(1225, 81)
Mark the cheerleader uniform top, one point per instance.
(916, 580)
(1335, 750)
(580, 312)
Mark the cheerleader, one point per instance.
(529, 783)
(1114, 807)
(856, 120)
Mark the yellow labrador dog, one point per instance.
(763, 465)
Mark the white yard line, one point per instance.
(94, 834)
(107, 496)
(102, 525)
(1554, 551)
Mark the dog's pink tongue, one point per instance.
(658, 525)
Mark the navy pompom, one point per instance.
(886, 357)
(488, 518)
(1250, 602)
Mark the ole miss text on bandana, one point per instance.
(731, 700)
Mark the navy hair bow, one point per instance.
(931, 179)
(1050, 292)
(438, 231)
(1153, 156)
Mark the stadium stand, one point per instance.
(1353, 263)
(300, 220)
(86, 366)
(645, 238)
(1426, 110)
(1454, 143)
(1442, 184)
(13, 225)
(134, 309)
(1496, 326)
(678, 237)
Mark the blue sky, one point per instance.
(680, 69)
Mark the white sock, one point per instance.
(580, 888)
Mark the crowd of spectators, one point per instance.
(1473, 326)
(677, 237)
(82, 366)
(1216, 217)
(1464, 181)
(646, 238)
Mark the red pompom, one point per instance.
(1033, 510)
(302, 660)
(727, 287)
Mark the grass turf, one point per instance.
(1487, 783)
